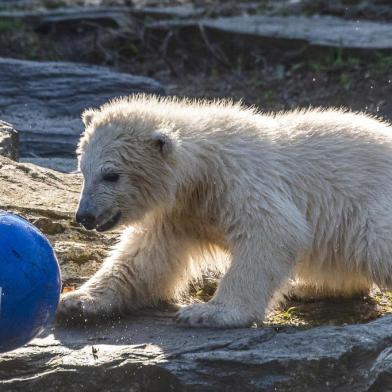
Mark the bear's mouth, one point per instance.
(109, 224)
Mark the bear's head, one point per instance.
(127, 156)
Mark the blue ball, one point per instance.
(30, 282)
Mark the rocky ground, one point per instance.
(148, 352)
(190, 49)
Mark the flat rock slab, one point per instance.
(316, 30)
(151, 353)
(320, 31)
(115, 16)
(44, 100)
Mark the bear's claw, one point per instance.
(212, 316)
(77, 307)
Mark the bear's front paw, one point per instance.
(80, 306)
(211, 315)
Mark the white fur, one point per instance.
(304, 195)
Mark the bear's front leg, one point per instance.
(262, 259)
(143, 269)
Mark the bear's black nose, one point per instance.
(87, 220)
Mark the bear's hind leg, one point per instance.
(262, 259)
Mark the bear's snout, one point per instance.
(86, 219)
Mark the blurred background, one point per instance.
(275, 54)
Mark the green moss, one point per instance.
(268, 95)
(310, 313)
(345, 81)
(350, 2)
(332, 311)
(384, 301)
(262, 5)
(332, 60)
(129, 50)
(383, 63)
(8, 25)
(205, 289)
(54, 4)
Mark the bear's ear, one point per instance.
(163, 142)
(87, 116)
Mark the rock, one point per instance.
(112, 16)
(361, 9)
(48, 199)
(180, 11)
(61, 18)
(278, 38)
(315, 31)
(47, 226)
(29, 188)
(9, 141)
(44, 100)
(151, 353)
(78, 259)
(147, 351)
(61, 164)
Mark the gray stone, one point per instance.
(180, 11)
(104, 16)
(112, 16)
(61, 164)
(150, 353)
(44, 100)
(318, 31)
(9, 141)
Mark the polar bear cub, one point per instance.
(264, 198)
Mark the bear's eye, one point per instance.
(111, 177)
